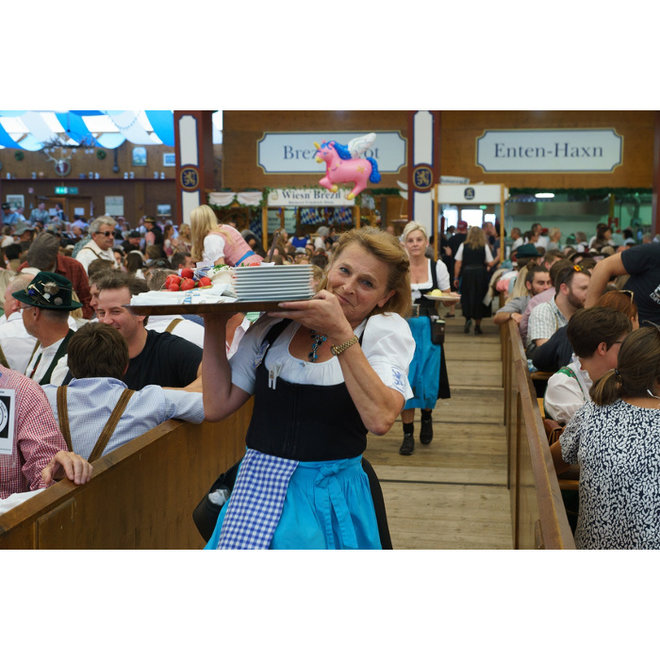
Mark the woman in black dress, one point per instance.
(471, 265)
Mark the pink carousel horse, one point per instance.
(342, 165)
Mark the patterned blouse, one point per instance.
(618, 450)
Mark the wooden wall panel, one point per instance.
(242, 130)
(460, 129)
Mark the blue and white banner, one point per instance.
(550, 150)
(293, 153)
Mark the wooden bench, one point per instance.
(141, 495)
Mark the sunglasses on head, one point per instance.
(629, 293)
(105, 233)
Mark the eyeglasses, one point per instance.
(105, 233)
(629, 293)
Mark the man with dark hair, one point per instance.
(44, 254)
(454, 243)
(98, 359)
(537, 280)
(156, 358)
(46, 303)
(596, 334)
(181, 260)
(571, 286)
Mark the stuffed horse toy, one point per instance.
(343, 164)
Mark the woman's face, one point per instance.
(359, 280)
(416, 243)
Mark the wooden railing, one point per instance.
(141, 495)
(537, 510)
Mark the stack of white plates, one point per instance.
(287, 282)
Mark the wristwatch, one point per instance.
(336, 350)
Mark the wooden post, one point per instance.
(193, 135)
(356, 216)
(502, 252)
(264, 226)
(436, 242)
(655, 212)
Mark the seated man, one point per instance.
(16, 343)
(102, 234)
(571, 291)
(32, 450)
(46, 303)
(544, 296)
(98, 359)
(596, 335)
(156, 358)
(537, 280)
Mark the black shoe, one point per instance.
(478, 330)
(426, 432)
(408, 444)
(468, 324)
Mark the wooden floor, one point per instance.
(452, 493)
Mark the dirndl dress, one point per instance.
(301, 484)
(474, 282)
(428, 370)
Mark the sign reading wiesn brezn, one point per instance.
(550, 150)
(309, 197)
(293, 153)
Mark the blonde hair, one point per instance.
(391, 252)
(203, 221)
(476, 238)
(410, 227)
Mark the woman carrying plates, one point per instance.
(324, 372)
(428, 371)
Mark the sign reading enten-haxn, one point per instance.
(550, 150)
(294, 153)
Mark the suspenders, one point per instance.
(108, 430)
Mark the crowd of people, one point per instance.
(88, 374)
(589, 314)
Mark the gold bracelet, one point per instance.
(336, 350)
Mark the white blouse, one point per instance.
(214, 248)
(387, 344)
(442, 275)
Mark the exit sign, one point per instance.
(65, 190)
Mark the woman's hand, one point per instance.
(323, 313)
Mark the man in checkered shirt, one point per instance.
(571, 285)
(38, 452)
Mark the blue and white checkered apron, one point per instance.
(256, 502)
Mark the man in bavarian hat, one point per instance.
(46, 303)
